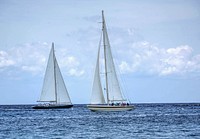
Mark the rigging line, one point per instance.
(120, 78)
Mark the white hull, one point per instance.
(109, 108)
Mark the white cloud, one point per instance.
(71, 65)
(124, 67)
(150, 59)
(75, 72)
(30, 57)
(69, 61)
(5, 60)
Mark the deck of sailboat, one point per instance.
(110, 107)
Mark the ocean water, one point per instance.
(145, 121)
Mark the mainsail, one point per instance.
(54, 89)
(114, 91)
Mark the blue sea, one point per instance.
(146, 121)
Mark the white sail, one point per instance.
(114, 91)
(48, 89)
(62, 93)
(112, 84)
(97, 93)
(54, 89)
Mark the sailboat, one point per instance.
(115, 99)
(54, 92)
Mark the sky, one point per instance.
(155, 45)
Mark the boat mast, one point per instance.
(104, 44)
(54, 66)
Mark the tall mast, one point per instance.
(104, 44)
(54, 66)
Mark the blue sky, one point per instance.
(155, 43)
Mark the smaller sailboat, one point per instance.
(115, 99)
(54, 92)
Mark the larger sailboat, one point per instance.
(54, 92)
(115, 99)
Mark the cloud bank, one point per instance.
(132, 56)
(32, 58)
(149, 59)
(136, 58)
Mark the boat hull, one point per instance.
(109, 108)
(52, 106)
